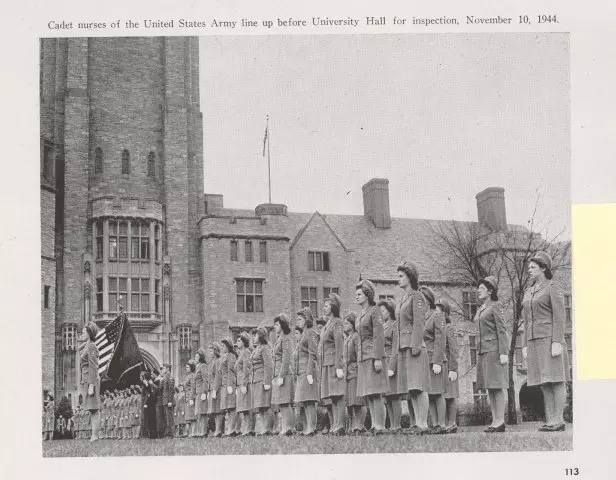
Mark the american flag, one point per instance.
(106, 342)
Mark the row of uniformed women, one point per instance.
(48, 417)
(83, 423)
(120, 413)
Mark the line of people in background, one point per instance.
(368, 362)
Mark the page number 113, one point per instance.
(572, 471)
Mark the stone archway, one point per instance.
(149, 360)
(531, 403)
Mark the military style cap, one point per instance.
(444, 303)
(490, 282)
(409, 269)
(335, 299)
(428, 293)
(543, 259)
(367, 287)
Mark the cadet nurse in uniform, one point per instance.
(412, 360)
(213, 397)
(436, 341)
(393, 399)
(90, 380)
(332, 382)
(190, 392)
(227, 387)
(201, 382)
(544, 340)
(372, 383)
(282, 388)
(450, 368)
(242, 391)
(306, 388)
(262, 375)
(493, 351)
(354, 404)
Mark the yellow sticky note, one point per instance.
(594, 270)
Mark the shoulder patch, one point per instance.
(420, 303)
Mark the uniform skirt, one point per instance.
(213, 404)
(393, 384)
(201, 406)
(331, 385)
(189, 413)
(243, 400)
(490, 372)
(261, 398)
(304, 392)
(438, 383)
(351, 398)
(413, 372)
(282, 394)
(227, 401)
(452, 390)
(135, 419)
(542, 367)
(181, 414)
(369, 381)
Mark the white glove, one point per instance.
(453, 376)
(280, 381)
(191, 403)
(436, 368)
(557, 349)
(203, 396)
(310, 379)
(390, 373)
(214, 394)
(229, 390)
(504, 359)
(266, 387)
(91, 389)
(340, 373)
(170, 404)
(525, 352)
(244, 390)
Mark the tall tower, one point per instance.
(121, 117)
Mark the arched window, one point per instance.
(98, 160)
(185, 334)
(125, 162)
(69, 336)
(151, 165)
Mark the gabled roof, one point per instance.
(305, 227)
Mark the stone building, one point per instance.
(125, 221)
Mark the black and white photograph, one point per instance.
(306, 244)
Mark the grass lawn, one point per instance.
(470, 439)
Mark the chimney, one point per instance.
(212, 203)
(376, 202)
(491, 209)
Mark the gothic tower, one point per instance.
(121, 119)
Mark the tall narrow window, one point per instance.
(125, 162)
(248, 250)
(69, 336)
(472, 344)
(140, 241)
(157, 296)
(234, 250)
(98, 160)
(309, 299)
(47, 289)
(156, 242)
(151, 165)
(140, 294)
(99, 240)
(263, 251)
(47, 162)
(318, 261)
(99, 294)
(113, 240)
(113, 294)
(469, 304)
(123, 241)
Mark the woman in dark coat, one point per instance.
(436, 340)
(372, 383)
(306, 387)
(450, 368)
(354, 404)
(282, 388)
(227, 387)
(262, 375)
(393, 400)
(242, 391)
(201, 381)
(332, 381)
(493, 351)
(190, 392)
(412, 360)
(544, 340)
(213, 397)
(90, 380)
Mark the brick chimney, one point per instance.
(376, 202)
(491, 209)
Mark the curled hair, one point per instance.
(192, 365)
(262, 335)
(245, 337)
(335, 307)
(547, 272)
(429, 296)
(306, 313)
(367, 289)
(201, 355)
(408, 270)
(92, 330)
(283, 321)
(388, 304)
(351, 318)
(491, 289)
(216, 349)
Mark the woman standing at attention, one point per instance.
(450, 368)
(227, 388)
(544, 340)
(413, 363)
(242, 391)
(282, 389)
(189, 389)
(333, 384)
(393, 401)
(354, 404)
(262, 374)
(214, 382)
(372, 381)
(90, 380)
(306, 389)
(493, 351)
(201, 382)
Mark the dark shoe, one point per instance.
(310, 434)
(412, 430)
(452, 429)
(559, 427)
(379, 431)
(395, 431)
(340, 432)
(438, 430)
(490, 429)
(499, 429)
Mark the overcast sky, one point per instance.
(441, 116)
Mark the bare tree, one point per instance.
(468, 253)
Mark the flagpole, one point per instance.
(269, 175)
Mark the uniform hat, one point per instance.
(228, 344)
(444, 304)
(390, 305)
(262, 334)
(202, 355)
(283, 320)
(491, 283)
(544, 260)
(334, 298)
(216, 348)
(350, 317)
(410, 270)
(307, 314)
(245, 336)
(368, 288)
(429, 294)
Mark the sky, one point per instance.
(441, 116)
